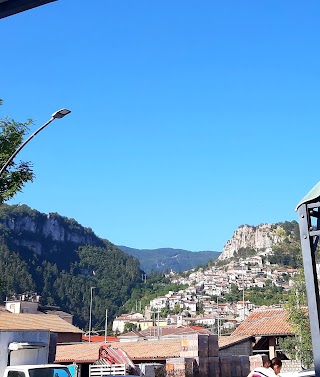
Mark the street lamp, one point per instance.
(90, 312)
(56, 115)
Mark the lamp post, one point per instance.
(243, 304)
(90, 311)
(56, 115)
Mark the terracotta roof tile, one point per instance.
(149, 350)
(265, 322)
(24, 321)
(174, 331)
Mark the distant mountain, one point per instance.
(167, 259)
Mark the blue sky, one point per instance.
(189, 118)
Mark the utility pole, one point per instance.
(90, 312)
(244, 309)
(218, 317)
(106, 327)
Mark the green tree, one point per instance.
(130, 327)
(299, 347)
(18, 173)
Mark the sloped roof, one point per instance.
(147, 350)
(265, 322)
(226, 341)
(131, 334)
(24, 321)
(171, 331)
(139, 350)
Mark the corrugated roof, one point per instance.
(24, 321)
(265, 323)
(148, 350)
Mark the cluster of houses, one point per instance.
(203, 293)
(184, 345)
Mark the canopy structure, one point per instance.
(309, 224)
(11, 7)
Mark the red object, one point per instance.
(114, 355)
(100, 338)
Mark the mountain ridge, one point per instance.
(167, 259)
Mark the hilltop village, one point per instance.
(201, 303)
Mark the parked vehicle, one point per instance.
(27, 354)
(42, 370)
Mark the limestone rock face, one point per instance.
(51, 227)
(261, 237)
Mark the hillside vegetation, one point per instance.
(61, 260)
(167, 259)
(64, 272)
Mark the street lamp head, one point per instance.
(61, 113)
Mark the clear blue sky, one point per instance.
(189, 118)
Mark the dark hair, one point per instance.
(267, 363)
(276, 361)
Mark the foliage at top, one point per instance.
(18, 173)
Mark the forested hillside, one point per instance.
(60, 260)
(167, 259)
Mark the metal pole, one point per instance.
(218, 322)
(106, 327)
(56, 115)
(309, 264)
(90, 312)
(4, 167)
(244, 309)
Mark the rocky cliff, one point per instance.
(34, 227)
(260, 238)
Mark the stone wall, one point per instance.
(291, 366)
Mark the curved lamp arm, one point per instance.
(56, 115)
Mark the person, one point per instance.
(269, 369)
(262, 370)
(276, 365)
